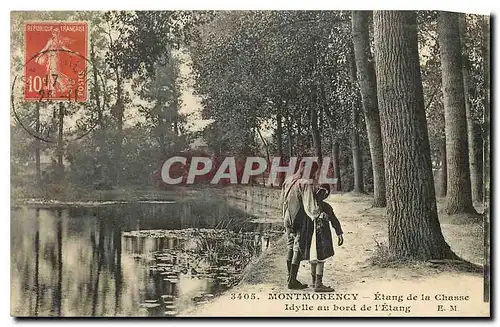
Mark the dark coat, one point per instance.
(324, 241)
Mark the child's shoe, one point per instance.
(319, 287)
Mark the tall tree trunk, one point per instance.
(335, 149)
(289, 136)
(486, 153)
(478, 152)
(279, 133)
(458, 196)
(357, 161)
(96, 89)
(443, 171)
(38, 170)
(315, 103)
(335, 158)
(306, 137)
(100, 116)
(368, 90)
(487, 109)
(266, 147)
(316, 137)
(279, 136)
(60, 145)
(336, 165)
(119, 111)
(299, 142)
(414, 230)
(475, 166)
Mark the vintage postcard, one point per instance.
(250, 164)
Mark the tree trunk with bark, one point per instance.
(300, 143)
(443, 171)
(478, 184)
(414, 229)
(357, 161)
(266, 147)
(368, 89)
(279, 133)
(486, 153)
(289, 136)
(336, 165)
(475, 163)
(487, 110)
(335, 149)
(316, 137)
(118, 114)
(100, 112)
(458, 195)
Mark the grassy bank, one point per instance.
(22, 193)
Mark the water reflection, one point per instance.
(128, 260)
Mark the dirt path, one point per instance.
(357, 281)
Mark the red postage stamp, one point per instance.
(56, 61)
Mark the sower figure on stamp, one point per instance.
(50, 57)
(299, 205)
(321, 246)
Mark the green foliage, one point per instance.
(161, 92)
(126, 49)
(144, 36)
(251, 65)
(90, 165)
(475, 61)
(431, 75)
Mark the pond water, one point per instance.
(136, 259)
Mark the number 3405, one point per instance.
(243, 296)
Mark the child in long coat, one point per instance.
(321, 246)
